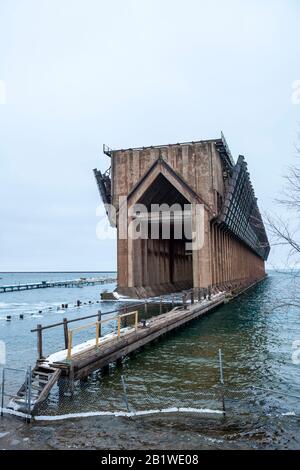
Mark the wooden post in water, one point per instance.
(222, 381)
(160, 305)
(65, 320)
(125, 393)
(2, 391)
(39, 341)
(99, 320)
(97, 333)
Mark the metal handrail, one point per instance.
(53, 325)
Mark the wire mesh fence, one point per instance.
(120, 389)
(12, 381)
(114, 389)
(118, 393)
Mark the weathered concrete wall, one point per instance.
(198, 164)
(232, 260)
(163, 265)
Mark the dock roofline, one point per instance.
(145, 147)
(220, 143)
(220, 140)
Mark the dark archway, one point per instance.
(162, 258)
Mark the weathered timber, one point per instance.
(95, 358)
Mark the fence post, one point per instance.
(65, 320)
(119, 326)
(192, 297)
(99, 321)
(125, 393)
(70, 340)
(40, 341)
(29, 392)
(222, 380)
(97, 333)
(160, 305)
(136, 320)
(2, 390)
(146, 308)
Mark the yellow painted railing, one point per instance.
(97, 326)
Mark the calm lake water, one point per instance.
(262, 384)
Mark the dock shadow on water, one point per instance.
(261, 389)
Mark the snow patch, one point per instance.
(126, 414)
(60, 356)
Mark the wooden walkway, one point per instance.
(84, 363)
(68, 283)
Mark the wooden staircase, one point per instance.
(35, 389)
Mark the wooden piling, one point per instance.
(66, 336)
(40, 341)
(99, 321)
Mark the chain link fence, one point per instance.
(12, 381)
(115, 390)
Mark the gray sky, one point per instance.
(79, 73)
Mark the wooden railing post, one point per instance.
(119, 327)
(70, 340)
(40, 341)
(136, 319)
(97, 333)
(99, 320)
(65, 320)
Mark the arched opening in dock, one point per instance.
(161, 257)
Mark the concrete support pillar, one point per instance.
(201, 257)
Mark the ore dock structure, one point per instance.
(185, 283)
(234, 246)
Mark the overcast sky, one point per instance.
(80, 73)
